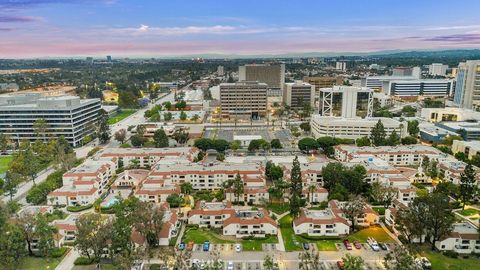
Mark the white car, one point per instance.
(238, 247)
(230, 266)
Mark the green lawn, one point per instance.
(278, 208)
(94, 267)
(326, 245)
(468, 212)
(124, 113)
(292, 242)
(4, 162)
(256, 244)
(37, 263)
(198, 236)
(376, 232)
(442, 262)
(379, 209)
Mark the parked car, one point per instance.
(340, 264)
(383, 246)
(181, 246)
(190, 246)
(306, 246)
(373, 244)
(347, 244)
(206, 246)
(357, 244)
(230, 265)
(238, 247)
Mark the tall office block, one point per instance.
(341, 65)
(298, 94)
(271, 74)
(346, 101)
(437, 69)
(67, 116)
(467, 88)
(220, 71)
(323, 82)
(245, 98)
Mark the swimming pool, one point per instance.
(111, 202)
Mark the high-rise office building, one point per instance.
(109, 58)
(346, 101)
(341, 65)
(67, 116)
(298, 94)
(220, 71)
(467, 88)
(323, 82)
(437, 69)
(271, 74)
(245, 99)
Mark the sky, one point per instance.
(149, 28)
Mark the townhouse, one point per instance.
(320, 223)
(156, 190)
(250, 223)
(210, 214)
(464, 239)
(147, 157)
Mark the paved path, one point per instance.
(26, 186)
(68, 260)
(393, 236)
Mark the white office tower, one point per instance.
(220, 71)
(243, 99)
(346, 101)
(346, 112)
(298, 94)
(341, 65)
(67, 116)
(271, 74)
(467, 88)
(417, 72)
(437, 69)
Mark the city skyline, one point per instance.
(46, 28)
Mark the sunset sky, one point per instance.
(50, 28)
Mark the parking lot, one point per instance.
(229, 248)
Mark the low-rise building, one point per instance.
(250, 223)
(469, 148)
(320, 223)
(464, 239)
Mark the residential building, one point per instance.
(243, 99)
(467, 88)
(67, 116)
(463, 239)
(250, 223)
(271, 74)
(353, 128)
(298, 94)
(341, 65)
(320, 223)
(437, 69)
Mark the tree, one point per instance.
(309, 261)
(276, 144)
(326, 143)
(400, 259)
(167, 105)
(183, 116)
(63, 155)
(12, 246)
(237, 187)
(412, 128)
(433, 170)
(254, 145)
(195, 117)
(181, 136)
(383, 194)
(44, 233)
(103, 129)
(220, 156)
(438, 218)
(182, 104)
(203, 144)
(353, 209)
(160, 138)
(307, 144)
(148, 221)
(4, 142)
(409, 221)
(27, 223)
(409, 140)
(220, 145)
(93, 232)
(353, 262)
(449, 139)
(167, 116)
(305, 126)
(137, 140)
(468, 185)
(475, 161)
(174, 200)
(425, 164)
(10, 183)
(363, 141)
(269, 263)
(461, 156)
(393, 139)
(120, 135)
(378, 134)
(186, 188)
(235, 145)
(40, 127)
(295, 189)
(141, 129)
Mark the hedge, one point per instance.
(79, 208)
(38, 194)
(59, 252)
(83, 261)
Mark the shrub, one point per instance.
(125, 145)
(38, 194)
(58, 252)
(193, 226)
(451, 254)
(79, 208)
(93, 151)
(83, 261)
(155, 267)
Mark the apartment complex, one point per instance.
(298, 94)
(467, 89)
(67, 116)
(243, 99)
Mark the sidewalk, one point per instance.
(68, 260)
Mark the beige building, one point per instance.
(271, 74)
(323, 82)
(245, 99)
(298, 94)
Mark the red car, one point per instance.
(357, 245)
(347, 244)
(340, 264)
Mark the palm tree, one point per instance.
(311, 189)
